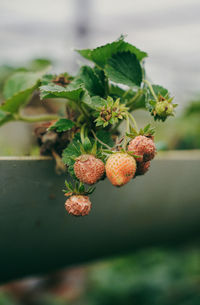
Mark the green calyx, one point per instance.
(147, 131)
(164, 108)
(111, 112)
(158, 101)
(77, 189)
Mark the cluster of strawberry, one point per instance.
(120, 167)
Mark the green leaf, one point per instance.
(13, 104)
(160, 90)
(20, 82)
(124, 68)
(40, 64)
(70, 153)
(116, 92)
(101, 55)
(5, 72)
(5, 117)
(97, 102)
(62, 125)
(18, 90)
(93, 80)
(55, 91)
(47, 79)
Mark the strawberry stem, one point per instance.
(134, 97)
(35, 119)
(82, 133)
(134, 122)
(101, 142)
(127, 130)
(151, 89)
(126, 92)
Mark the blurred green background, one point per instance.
(152, 276)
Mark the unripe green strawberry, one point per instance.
(142, 168)
(88, 169)
(120, 168)
(164, 108)
(78, 205)
(143, 147)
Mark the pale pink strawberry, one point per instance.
(78, 205)
(143, 147)
(88, 169)
(120, 168)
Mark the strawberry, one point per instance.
(120, 168)
(142, 168)
(78, 205)
(88, 169)
(143, 147)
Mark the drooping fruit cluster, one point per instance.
(83, 130)
(121, 166)
(123, 162)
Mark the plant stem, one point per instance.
(106, 87)
(35, 119)
(134, 97)
(134, 122)
(126, 92)
(82, 133)
(102, 143)
(151, 89)
(127, 130)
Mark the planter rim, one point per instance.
(169, 155)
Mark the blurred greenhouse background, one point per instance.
(169, 32)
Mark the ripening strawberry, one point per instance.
(144, 147)
(120, 168)
(88, 169)
(164, 109)
(142, 168)
(78, 205)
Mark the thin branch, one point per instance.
(102, 143)
(35, 119)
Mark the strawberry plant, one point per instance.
(85, 131)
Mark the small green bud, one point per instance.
(164, 109)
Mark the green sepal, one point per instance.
(77, 189)
(87, 145)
